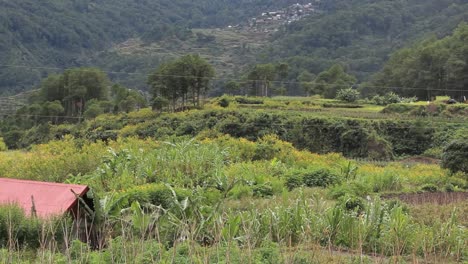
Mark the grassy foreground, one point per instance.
(229, 200)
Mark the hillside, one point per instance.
(361, 34)
(130, 38)
(60, 34)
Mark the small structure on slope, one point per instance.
(43, 199)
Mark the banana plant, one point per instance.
(143, 218)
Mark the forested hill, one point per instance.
(66, 33)
(361, 34)
(47, 36)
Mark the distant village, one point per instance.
(272, 20)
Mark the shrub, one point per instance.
(294, 181)
(263, 190)
(348, 95)
(244, 100)
(319, 178)
(389, 98)
(24, 230)
(241, 191)
(157, 194)
(455, 156)
(223, 102)
(449, 187)
(352, 203)
(429, 188)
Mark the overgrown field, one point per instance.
(222, 199)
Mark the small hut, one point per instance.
(43, 199)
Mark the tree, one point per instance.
(232, 87)
(262, 75)
(433, 67)
(159, 103)
(183, 80)
(127, 100)
(53, 110)
(74, 88)
(93, 111)
(455, 156)
(306, 81)
(330, 81)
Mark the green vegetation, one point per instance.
(359, 171)
(186, 79)
(68, 33)
(210, 199)
(455, 156)
(437, 65)
(361, 34)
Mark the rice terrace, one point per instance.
(243, 131)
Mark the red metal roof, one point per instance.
(50, 199)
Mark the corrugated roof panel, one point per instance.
(50, 199)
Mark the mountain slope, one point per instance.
(361, 34)
(66, 33)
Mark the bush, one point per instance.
(223, 102)
(352, 203)
(294, 181)
(319, 178)
(348, 95)
(455, 156)
(263, 190)
(24, 230)
(429, 188)
(389, 98)
(157, 194)
(244, 100)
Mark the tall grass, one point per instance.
(225, 200)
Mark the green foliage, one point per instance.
(329, 82)
(245, 100)
(263, 190)
(426, 64)
(311, 178)
(319, 178)
(386, 99)
(262, 75)
(294, 181)
(223, 102)
(74, 88)
(349, 95)
(429, 188)
(3, 146)
(186, 78)
(93, 111)
(18, 229)
(70, 33)
(455, 156)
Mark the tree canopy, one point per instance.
(183, 81)
(329, 82)
(433, 67)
